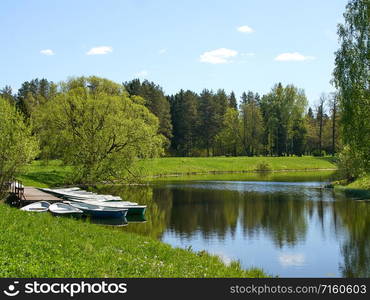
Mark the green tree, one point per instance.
(156, 101)
(185, 121)
(320, 116)
(7, 93)
(252, 127)
(34, 93)
(283, 112)
(98, 129)
(351, 77)
(209, 121)
(230, 135)
(233, 103)
(17, 146)
(335, 115)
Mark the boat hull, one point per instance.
(98, 211)
(105, 214)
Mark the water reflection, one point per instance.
(287, 228)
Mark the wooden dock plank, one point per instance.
(32, 194)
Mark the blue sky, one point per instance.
(236, 45)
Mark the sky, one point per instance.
(237, 45)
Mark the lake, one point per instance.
(284, 223)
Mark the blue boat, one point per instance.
(99, 211)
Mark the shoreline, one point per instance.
(240, 172)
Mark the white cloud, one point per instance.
(47, 52)
(218, 56)
(142, 74)
(293, 56)
(100, 50)
(245, 29)
(162, 51)
(295, 260)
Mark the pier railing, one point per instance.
(16, 189)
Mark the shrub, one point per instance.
(350, 163)
(263, 166)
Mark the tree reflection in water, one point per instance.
(212, 211)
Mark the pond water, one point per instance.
(286, 224)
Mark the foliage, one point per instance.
(185, 122)
(263, 166)
(283, 112)
(351, 77)
(97, 128)
(17, 146)
(40, 245)
(350, 163)
(155, 100)
(33, 94)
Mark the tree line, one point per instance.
(210, 123)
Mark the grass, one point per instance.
(40, 174)
(191, 165)
(362, 183)
(360, 188)
(40, 245)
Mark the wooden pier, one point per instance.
(24, 195)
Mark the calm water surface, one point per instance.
(287, 225)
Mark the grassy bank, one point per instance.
(191, 165)
(40, 245)
(41, 175)
(362, 183)
(360, 188)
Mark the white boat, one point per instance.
(41, 206)
(133, 209)
(77, 194)
(99, 211)
(107, 201)
(64, 209)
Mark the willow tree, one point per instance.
(351, 77)
(96, 127)
(17, 146)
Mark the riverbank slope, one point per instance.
(40, 245)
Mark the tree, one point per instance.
(7, 93)
(320, 111)
(230, 135)
(351, 77)
(232, 101)
(283, 111)
(17, 146)
(252, 127)
(185, 122)
(155, 100)
(208, 119)
(98, 129)
(333, 104)
(34, 93)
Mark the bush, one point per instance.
(318, 152)
(263, 166)
(350, 164)
(17, 146)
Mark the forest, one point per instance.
(215, 123)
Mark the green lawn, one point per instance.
(189, 165)
(53, 174)
(40, 245)
(362, 183)
(360, 188)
